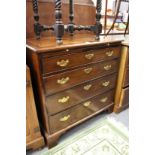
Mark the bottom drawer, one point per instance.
(74, 114)
(124, 100)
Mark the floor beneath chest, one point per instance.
(121, 117)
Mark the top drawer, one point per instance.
(85, 56)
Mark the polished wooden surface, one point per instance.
(80, 93)
(47, 16)
(34, 138)
(72, 115)
(48, 44)
(62, 90)
(122, 98)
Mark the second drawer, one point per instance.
(68, 98)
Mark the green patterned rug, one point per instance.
(108, 137)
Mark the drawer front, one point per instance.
(52, 64)
(75, 114)
(78, 94)
(126, 78)
(124, 100)
(72, 78)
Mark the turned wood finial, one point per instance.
(71, 12)
(71, 18)
(98, 28)
(37, 28)
(99, 6)
(58, 27)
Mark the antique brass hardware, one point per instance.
(106, 83)
(65, 118)
(64, 99)
(107, 67)
(103, 100)
(63, 63)
(86, 104)
(89, 56)
(63, 80)
(87, 87)
(109, 53)
(88, 70)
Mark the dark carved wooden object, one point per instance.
(38, 28)
(98, 26)
(59, 27)
(71, 18)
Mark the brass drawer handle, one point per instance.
(86, 104)
(89, 56)
(103, 100)
(63, 80)
(105, 84)
(63, 63)
(109, 53)
(65, 118)
(107, 67)
(87, 87)
(88, 70)
(64, 99)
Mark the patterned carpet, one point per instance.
(108, 137)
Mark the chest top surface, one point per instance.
(46, 44)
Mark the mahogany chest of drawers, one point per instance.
(73, 82)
